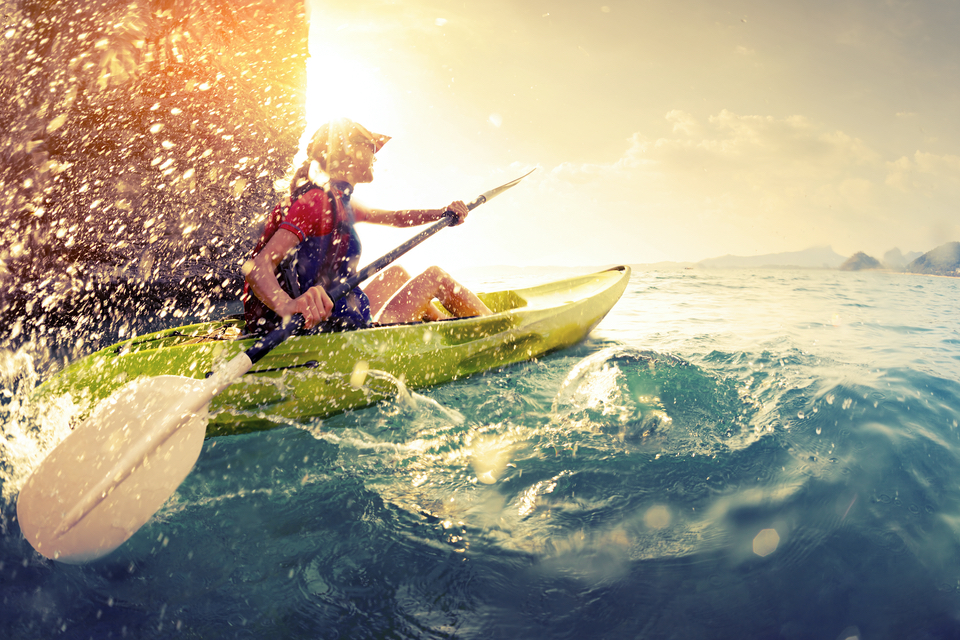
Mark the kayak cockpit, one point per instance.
(499, 301)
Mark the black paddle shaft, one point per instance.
(449, 218)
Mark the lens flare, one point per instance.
(338, 86)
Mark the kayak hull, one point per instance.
(314, 376)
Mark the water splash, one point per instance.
(413, 400)
(30, 430)
(396, 419)
(652, 401)
(599, 386)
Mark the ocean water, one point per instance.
(766, 454)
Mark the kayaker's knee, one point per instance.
(436, 274)
(394, 273)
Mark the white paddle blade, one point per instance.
(108, 477)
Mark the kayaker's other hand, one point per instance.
(315, 306)
(458, 208)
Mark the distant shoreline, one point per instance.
(942, 262)
(510, 270)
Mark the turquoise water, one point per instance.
(769, 454)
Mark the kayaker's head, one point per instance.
(345, 150)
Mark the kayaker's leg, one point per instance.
(386, 285)
(414, 301)
(382, 287)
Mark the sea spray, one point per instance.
(653, 401)
(30, 430)
(413, 400)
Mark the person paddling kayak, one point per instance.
(309, 245)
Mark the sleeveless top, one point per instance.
(328, 254)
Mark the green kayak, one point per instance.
(314, 376)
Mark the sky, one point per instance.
(674, 130)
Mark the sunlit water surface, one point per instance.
(768, 454)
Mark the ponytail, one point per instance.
(300, 176)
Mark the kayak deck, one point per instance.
(314, 376)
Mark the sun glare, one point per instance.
(340, 87)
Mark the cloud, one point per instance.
(752, 182)
(748, 147)
(683, 122)
(626, 166)
(734, 183)
(924, 173)
(764, 144)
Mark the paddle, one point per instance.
(114, 471)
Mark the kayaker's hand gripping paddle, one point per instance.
(113, 472)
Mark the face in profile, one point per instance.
(361, 159)
(352, 161)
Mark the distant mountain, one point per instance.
(860, 261)
(942, 261)
(896, 261)
(812, 258)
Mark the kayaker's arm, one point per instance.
(409, 217)
(260, 273)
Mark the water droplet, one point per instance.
(766, 542)
(657, 517)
